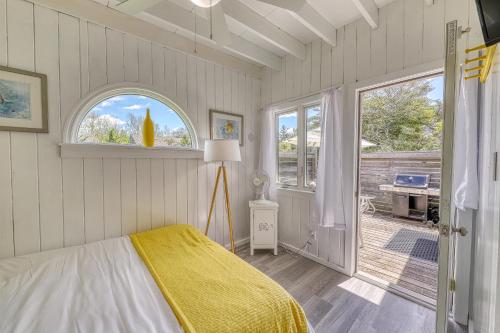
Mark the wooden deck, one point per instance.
(403, 272)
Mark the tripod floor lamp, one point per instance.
(222, 151)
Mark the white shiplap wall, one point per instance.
(410, 35)
(47, 202)
(485, 311)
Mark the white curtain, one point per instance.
(465, 187)
(267, 158)
(465, 156)
(329, 196)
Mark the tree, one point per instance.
(283, 135)
(118, 136)
(97, 128)
(101, 129)
(313, 121)
(185, 140)
(402, 118)
(134, 127)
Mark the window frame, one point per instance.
(300, 106)
(90, 101)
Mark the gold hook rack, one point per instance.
(486, 60)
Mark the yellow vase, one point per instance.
(148, 131)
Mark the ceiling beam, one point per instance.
(369, 11)
(263, 28)
(184, 20)
(108, 17)
(133, 7)
(309, 17)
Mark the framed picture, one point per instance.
(23, 101)
(226, 126)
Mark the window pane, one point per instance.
(287, 148)
(313, 138)
(119, 120)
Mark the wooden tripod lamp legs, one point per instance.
(222, 169)
(228, 206)
(214, 193)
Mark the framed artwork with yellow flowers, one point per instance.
(226, 126)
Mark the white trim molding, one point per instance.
(72, 125)
(321, 261)
(351, 104)
(85, 150)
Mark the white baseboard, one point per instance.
(239, 242)
(314, 258)
(292, 248)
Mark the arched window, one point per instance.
(116, 116)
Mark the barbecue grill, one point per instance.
(415, 181)
(408, 203)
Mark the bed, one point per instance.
(107, 286)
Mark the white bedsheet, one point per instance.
(99, 287)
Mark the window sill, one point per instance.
(76, 150)
(291, 190)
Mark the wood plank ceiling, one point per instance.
(259, 31)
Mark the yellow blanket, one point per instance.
(212, 290)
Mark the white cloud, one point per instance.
(112, 120)
(135, 107)
(105, 103)
(111, 101)
(116, 98)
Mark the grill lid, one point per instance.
(416, 181)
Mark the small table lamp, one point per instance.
(221, 151)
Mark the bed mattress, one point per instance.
(97, 287)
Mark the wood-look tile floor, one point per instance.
(336, 303)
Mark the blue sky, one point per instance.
(288, 119)
(437, 83)
(118, 108)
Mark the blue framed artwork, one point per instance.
(226, 126)
(23, 101)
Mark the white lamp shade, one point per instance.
(222, 150)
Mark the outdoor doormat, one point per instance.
(414, 243)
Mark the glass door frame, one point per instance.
(353, 92)
(359, 92)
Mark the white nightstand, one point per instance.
(263, 225)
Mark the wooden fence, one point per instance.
(381, 168)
